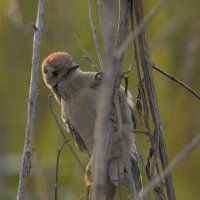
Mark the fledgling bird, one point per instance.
(77, 93)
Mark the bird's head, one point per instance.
(56, 66)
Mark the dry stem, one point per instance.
(57, 170)
(33, 91)
(94, 34)
(86, 54)
(150, 88)
(103, 125)
(182, 155)
(139, 29)
(184, 85)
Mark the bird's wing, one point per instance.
(77, 138)
(128, 107)
(134, 161)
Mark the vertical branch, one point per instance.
(33, 91)
(158, 192)
(181, 156)
(124, 17)
(109, 95)
(103, 125)
(148, 77)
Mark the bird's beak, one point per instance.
(73, 66)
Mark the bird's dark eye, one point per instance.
(55, 73)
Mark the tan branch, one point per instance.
(33, 92)
(184, 85)
(139, 29)
(151, 93)
(180, 157)
(86, 54)
(57, 170)
(142, 95)
(94, 34)
(102, 124)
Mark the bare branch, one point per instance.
(130, 68)
(141, 132)
(139, 29)
(149, 84)
(158, 191)
(86, 54)
(94, 34)
(57, 169)
(188, 88)
(180, 157)
(102, 124)
(33, 91)
(142, 96)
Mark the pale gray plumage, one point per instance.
(77, 92)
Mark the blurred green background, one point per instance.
(174, 43)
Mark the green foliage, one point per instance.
(174, 45)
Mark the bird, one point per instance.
(77, 92)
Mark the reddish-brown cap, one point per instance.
(56, 57)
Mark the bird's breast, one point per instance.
(80, 110)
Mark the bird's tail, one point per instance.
(137, 178)
(118, 174)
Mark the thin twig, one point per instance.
(86, 54)
(139, 29)
(130, 67)
(57, 169)
(155, 149)
(180, 157)
(141, 132)
(63, 134)
(33, 91)
(94, 34)
(188, 88)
